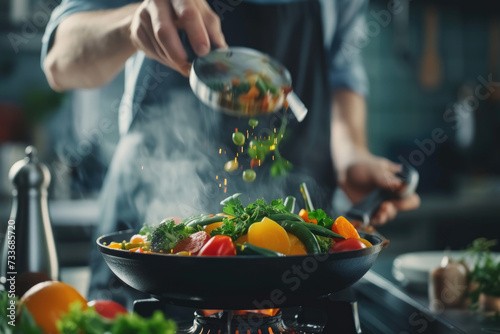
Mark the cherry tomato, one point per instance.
(107, 308)
(347, 245)
(219, 245)
(193, 243)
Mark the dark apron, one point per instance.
(171, 161)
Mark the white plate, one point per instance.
(413, 268)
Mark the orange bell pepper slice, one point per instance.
(343, 227)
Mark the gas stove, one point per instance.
(314, 317)
(373, 305)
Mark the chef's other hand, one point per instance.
(154, 30)
(368, 172)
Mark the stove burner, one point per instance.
(335, 314)
(229, 322)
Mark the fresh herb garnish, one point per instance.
(321, 217)
(242, 217)
(486, 269)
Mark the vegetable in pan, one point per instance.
(259, 229)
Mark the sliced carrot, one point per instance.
(343, 227)
(303, 214)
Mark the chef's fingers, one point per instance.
(213, 25)
(408, 203)
(167, 36)
(393, 167)
(141, 39)
(189, 18)
(144, 37)
(386, 212)
(386, 179)
(389, 209)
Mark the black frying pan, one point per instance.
(244, 282)
(239, 282)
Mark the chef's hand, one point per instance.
(154, 30)
(368, 172)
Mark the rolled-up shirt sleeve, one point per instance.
(345, 65)
(70, 7)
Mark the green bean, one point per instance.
(205, 220)
(249, 249)
(304, 235)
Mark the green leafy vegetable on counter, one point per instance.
(166, 235)
(486, 269)
(88, 321)
(24, 324)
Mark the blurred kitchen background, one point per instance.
(430, 104)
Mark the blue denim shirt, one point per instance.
(342, 20)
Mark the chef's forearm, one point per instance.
(90, 48)
(348, 127)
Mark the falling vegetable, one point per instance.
(253, 122)
(249, 175)
(238, 138)
(231, 165)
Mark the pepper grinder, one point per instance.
(29, 254)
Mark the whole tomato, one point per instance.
(107, 308)
(347, 245)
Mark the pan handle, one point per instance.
(365, 209)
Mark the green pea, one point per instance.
(249, 175)
(253, 122)
(238, 138)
